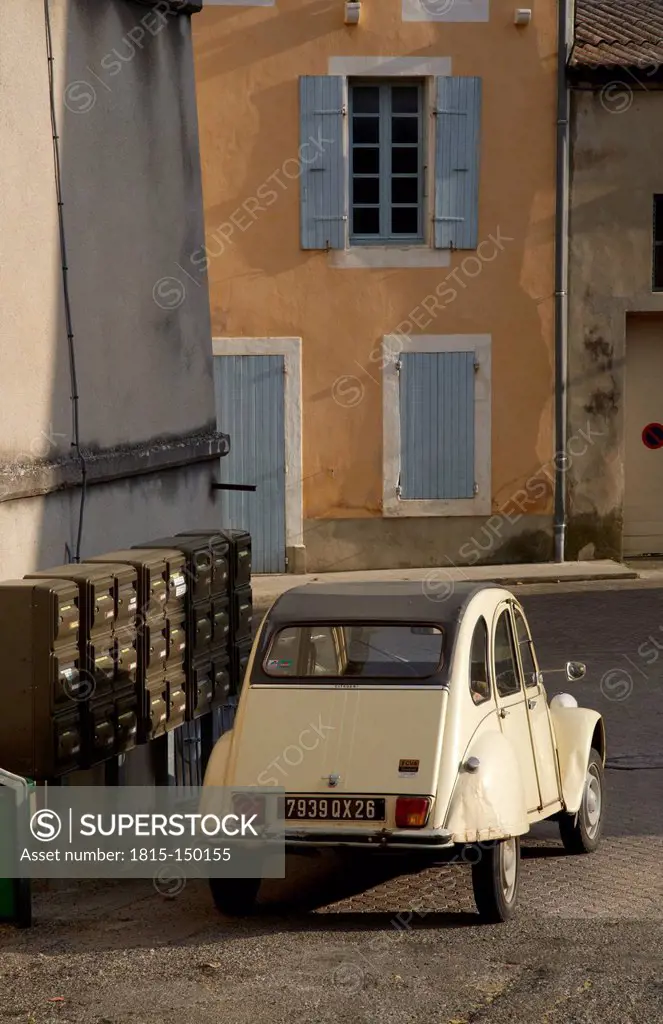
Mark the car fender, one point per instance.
(575, 729)
(213, 797)
(215, 773)
(490, 802)
(220, 765)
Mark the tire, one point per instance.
(235, 897)
(495, 880)
(581, 832)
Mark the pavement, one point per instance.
(362, 943)
(267, 588)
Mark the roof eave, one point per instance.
(637, 77)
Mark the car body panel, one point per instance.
(303, 735)
(489, 803)
(574, 730)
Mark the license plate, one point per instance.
(338, 808)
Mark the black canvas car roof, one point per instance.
(397, 601)
(424, 601)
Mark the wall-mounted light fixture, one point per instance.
(352, 12)
(523, 15)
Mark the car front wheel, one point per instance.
(234, 897)
(581, 832)
(495, 880)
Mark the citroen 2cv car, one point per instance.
(427, 729)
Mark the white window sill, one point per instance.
(388, 256)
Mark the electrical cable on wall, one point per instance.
(75, 444)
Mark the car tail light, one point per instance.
(412, 811)
(246, 803)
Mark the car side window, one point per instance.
(507, 676)
(526, 648)
(479, 681)
(324, 659)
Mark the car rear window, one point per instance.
(355, 651)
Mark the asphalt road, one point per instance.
(361, 944)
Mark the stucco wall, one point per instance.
(131, 188)
(263, 285)
(616, 170)
(29, 287)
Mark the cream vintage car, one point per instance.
(427, 726)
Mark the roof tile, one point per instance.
(618, 33)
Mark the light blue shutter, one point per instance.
(437, 425)
(458, 140)
(323, 170)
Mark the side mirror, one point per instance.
(575, 670)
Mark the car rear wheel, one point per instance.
(495, 880)
(235, 897)
(581, 832)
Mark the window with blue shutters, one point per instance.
(437, 425)
(364, 178)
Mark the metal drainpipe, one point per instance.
(561, 284)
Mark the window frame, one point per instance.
(489, 696)
(519, 614)
(518, 694)
(393, 505)
(355, 681)
(388, 238)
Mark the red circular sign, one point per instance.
(652, 435)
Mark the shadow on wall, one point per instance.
(286, 28)
(129, 173)
(265, 206)
(260, 221)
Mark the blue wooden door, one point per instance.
(250, 408)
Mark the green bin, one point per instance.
(15, 893)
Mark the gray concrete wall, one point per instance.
(127, 121)
(133, 209)
(617, 167)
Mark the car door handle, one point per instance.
(503, 712)
(531, 703)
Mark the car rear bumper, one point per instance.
(423, 839)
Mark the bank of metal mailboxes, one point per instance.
(239, 553)
(41, 683)
(101, 655)
(204, 645)
(108, 603)
(241, 598)
(160, 635)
